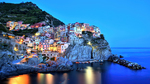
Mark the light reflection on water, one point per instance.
(40, 78)
(108, 73)
(21, 79)
(89, 76)
(65, 76)
(49, 79)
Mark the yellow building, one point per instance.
(53, 47)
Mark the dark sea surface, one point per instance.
(108, 73)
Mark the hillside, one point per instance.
(3, 28)
(27, 12)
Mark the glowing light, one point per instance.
(29, 51)
(37, 26)
(21, 79)
(89, 43)
(15, 49)
(82, 29)
(37, 34)
(49, 79)
(51, 48)
(41, 49)
(40, 78)
(20, 42)
(54, 48)
(89, 76)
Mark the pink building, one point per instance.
(43, 46)
(36, 25)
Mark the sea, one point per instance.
(95, 73)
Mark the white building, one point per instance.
(45, 29)
(50, 54)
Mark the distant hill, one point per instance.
(27, 12)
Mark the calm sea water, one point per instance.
(108, 73)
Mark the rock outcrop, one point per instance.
(8, 69)
(79, 52)
(60, 61)
(87, 47)
(131, 65)
(61, 64)
(30, 61)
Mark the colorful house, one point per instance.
(11, 25)
(36, 25)
(62, 47)
(43, 46)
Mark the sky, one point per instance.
(124, 23)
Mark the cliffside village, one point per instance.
(51, 41)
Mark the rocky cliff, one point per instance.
(87, 47)
(8, 69)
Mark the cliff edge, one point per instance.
(87, 47)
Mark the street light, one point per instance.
(29, 50)
(89, 43)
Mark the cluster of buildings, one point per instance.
(16, 26)
(51, 41)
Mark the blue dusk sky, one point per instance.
(124, 23)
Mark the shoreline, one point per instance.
(36, 70)
(31, 69)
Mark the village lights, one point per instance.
(89, 43)
(54, 48)
(41, 49)
(15, 49)
(37, 34)
(29, 50)
(82, 29)
(20, 42)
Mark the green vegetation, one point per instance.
(3, 28)
(25, 32)
(27, 12)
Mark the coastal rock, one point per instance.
(79, 52)
(88, 48)
(50, 63)
(143, 68)
(30, 61)
(116, 59)
(121, 56)
(8, 69)
(102, 53)
(60, 61)
(64, 68)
